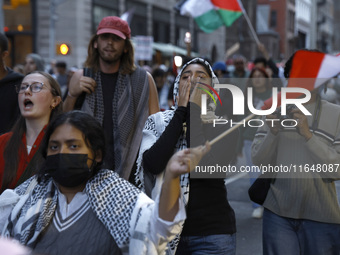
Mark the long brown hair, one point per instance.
(14, 144)
(127, 62)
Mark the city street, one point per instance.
(91, 86)
(249, 230)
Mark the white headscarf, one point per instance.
(200, 61)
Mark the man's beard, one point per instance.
(110, 60)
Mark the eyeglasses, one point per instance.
(35, 87)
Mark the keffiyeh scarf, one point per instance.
(120, 207)
(129, 113)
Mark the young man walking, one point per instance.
(119, 94)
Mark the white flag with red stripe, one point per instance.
(318, 67)
(309, 71)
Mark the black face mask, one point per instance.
(69, 170)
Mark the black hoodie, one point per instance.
(9, 108)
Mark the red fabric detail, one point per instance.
(230, 5)
(114, 25)
(306, 64)
(24, 159)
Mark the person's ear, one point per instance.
(95, 44)
(4, 54)
(126, 49)
(55, 102)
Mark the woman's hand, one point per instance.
(184, 93)
(185, 161)
(181, 162)
(196, 95)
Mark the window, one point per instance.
(19, 29)
(273, 19)
(100, 12)
(301, 40)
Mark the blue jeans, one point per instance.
(282, 236)
(206, 245)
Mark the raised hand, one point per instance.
(302, 126)
(80, 84)
(185, 161)
(196, 94)
(180, 163)
(184, 93)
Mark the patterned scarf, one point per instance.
(117, 204)
(129, 113)
(153, 129)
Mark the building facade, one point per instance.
(304, 23)
(40, 26)
(281, 19)
(336, 42)
(325, 25)
(47, 24)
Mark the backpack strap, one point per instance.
(80, 100)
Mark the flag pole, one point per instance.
(228, 131)
(252, 30)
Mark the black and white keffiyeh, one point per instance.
(153, 129)
(193, 61)
(124, 210)
(129, 113)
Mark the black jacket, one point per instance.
(9, 108)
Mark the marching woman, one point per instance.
(39, 100)
(210, 224)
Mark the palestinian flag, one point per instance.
(316, 67)
(211, 14)
(229, 10)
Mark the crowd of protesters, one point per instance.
(101, 159)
